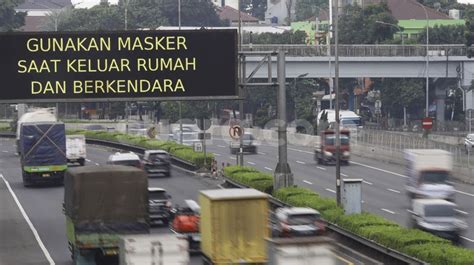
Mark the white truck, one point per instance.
(76, 149)
(300, 251)
(428, 173)
(153, 249)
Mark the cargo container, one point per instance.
(166, 249)
(101, 204)
(301, 251)
(234, 226)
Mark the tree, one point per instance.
(99, 17)
(9, 18)
(451, 34)
(469, 33)
(305, 9)
(399, 93)
(256, 8)
(358, 25)
(193, 13)
(143, 14)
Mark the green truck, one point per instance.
(102, 204)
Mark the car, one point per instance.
(157, 163)
(160, 206)
(469, 142)
(189, 134)
(438, 217)
(248, 144)
(125, 159)
(297, 222)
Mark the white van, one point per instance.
(348, 119)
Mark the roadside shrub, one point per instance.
(283, 193)
(354, 222)
(229, 171)
(312, 201)
(332, 215)
(441, 254)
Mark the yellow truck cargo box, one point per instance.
(234, 225)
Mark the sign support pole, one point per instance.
(283, 176)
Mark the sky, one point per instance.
(89, 3)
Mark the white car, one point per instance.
(125, 159)
(469, 142)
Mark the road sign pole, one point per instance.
(282, 176)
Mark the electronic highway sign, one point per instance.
(114, 65)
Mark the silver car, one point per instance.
(438, 217)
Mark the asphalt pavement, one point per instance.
(383, 189)
(34, 231)
(43, 206)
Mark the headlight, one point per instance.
(326, 153)
(346, 153)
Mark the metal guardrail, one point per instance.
(140, 150)
(372, 248)
(126, 147)
(363, 50)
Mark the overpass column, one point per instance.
(440, 98)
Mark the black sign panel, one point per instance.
(133, 65)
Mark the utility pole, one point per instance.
(336, 88)
(179, 102)
(283, 176)
(241, 89)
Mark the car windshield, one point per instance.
(159, 157)
(157, 195)
(350, 122)
(434, 176)
(330, 139)
(439, 211)
(302, 219)
(133, 163)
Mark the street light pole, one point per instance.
(336, 88)
(179, 102)
(427, 58)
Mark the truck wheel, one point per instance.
(82, 161)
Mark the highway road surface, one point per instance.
(32, 224)
(383, 183)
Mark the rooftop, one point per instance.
(232, 15)
(43, 4)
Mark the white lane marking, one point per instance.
(251, 163)
(216, 154)
(5, 151)
(410, 211)
(233, 158)
(333, 191)
(322, 168)
(262, 153)
(222, 146)
(461, 212)
(392, 190)
(300, 162)
(403, 176)
(301, 151)
(366, 182)
(465, 193)
(468, 239)
(379, 169)
(362, 201)
(307, 182)
(97, 164)
(388, 211)
(88, 160)
(220, 186)
(267, 168)
(344, 175)
(30, 224)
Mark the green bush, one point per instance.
(229, 171)
(332, 215)
(441, 254)
(283, 193)
(354, 222)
